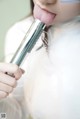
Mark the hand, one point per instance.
(8, 82)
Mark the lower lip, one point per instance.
(43, 15)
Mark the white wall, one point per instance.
(10, 12)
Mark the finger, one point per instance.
(22, 70)
(5, 88)
(11, 81)
(8, 67)
(3, 94)
(18, 73)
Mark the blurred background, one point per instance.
(11, 11)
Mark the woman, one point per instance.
(52, 78)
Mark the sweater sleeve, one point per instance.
(14, 105)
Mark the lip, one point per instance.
(45, 9)
(44, 15)
(49, 11)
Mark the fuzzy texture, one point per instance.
(51, 88)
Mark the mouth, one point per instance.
(48, 11)
(44, 15)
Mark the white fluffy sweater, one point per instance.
(52, 79)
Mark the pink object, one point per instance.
(43, 15)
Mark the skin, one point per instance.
(65, 11)
(8, 81)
